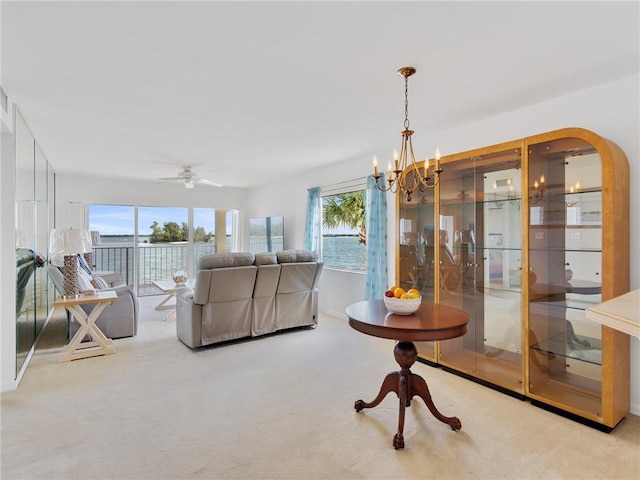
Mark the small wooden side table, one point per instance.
(100, 344)
(430, 322)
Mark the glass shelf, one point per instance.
(494, 289)
(583, 348)
(470, 203)
(557, 304)
(585, 194)
(561, 249)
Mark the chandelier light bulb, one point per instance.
(538, 185)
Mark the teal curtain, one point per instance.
(312, 224)
(376, 222)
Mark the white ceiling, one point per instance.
(247, 91)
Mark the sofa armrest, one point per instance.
(119, 289)
(184, 292)
(112, 278)
(188, 318)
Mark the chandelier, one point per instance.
(399, 175)
(538, 192)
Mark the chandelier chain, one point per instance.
(406, 102)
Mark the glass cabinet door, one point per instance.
(565, 258)
(480, 233)
(416, 252)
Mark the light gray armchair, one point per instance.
(119, 319)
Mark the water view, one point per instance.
(159, 261)
(344, 252)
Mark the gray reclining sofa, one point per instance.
(237, 295)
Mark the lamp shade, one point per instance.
(68, 242)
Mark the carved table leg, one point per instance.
(419, 387)
(406, 385)
(390, 384)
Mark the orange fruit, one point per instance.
(393, 287)
(413, 290)
(405, 296)
(398, 292)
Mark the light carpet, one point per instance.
(278, 407)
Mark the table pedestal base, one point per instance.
(406, 385)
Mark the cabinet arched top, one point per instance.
(608, 150)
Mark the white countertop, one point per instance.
(621, 313)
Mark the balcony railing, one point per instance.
(155, 261)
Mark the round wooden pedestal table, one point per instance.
(430, 322)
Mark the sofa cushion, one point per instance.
(100, 283)
(226, 260)
(266, 258)
(82, 263)
(84, 281)
(293, 256)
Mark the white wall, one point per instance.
(611, 111)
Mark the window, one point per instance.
(114, 247)
(204, 233)
(163, 237)
(344, 230)
(168, 239)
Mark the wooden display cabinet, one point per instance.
(469, 241)
(578, 250)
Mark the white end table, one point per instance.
(100, 344)
(169, 288)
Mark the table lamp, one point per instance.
(95, 241)
(64, 246)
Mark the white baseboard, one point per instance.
(340, 315)
(7, 387)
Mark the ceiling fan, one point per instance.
(190, 179)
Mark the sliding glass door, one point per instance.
(147, 244)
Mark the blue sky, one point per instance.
(119, 219)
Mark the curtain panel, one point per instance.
(376, 222)
(313, 224)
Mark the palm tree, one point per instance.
(346, 209)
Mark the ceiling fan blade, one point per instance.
(171, 178)
(206, 181)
